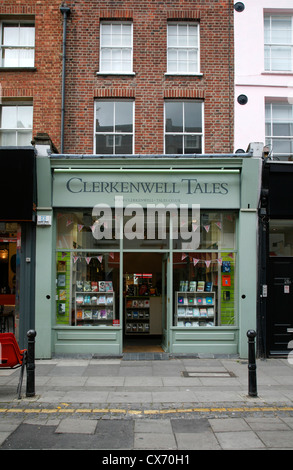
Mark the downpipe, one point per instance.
(65, 12)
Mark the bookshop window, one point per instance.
(84, 230)
(204, 289)
(206, 230)
(146, 229)
(87, 288)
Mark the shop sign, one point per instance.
(209, 190)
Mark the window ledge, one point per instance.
(184, 74)
(276, 72)
(18, 69)
(115, 73)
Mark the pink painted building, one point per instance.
(264, 75)
(264, 114)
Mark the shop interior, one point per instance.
(144, 312)
(8, 246)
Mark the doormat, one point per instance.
(208, 374)
(145, 356)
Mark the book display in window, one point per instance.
(137, 315)
(195, 308)
(94, 303)
(63, 288)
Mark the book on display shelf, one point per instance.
(195, 310)
(192, 286)
(200, 286)
(102, 286)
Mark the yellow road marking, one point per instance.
(67, 410)
(146, 412)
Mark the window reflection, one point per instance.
(114, 127)
(211, 230)
(281, 238)
(78, 230)
(183, 127)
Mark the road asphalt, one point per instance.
(134, 409)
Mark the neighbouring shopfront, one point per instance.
(17, 240)
(276, 256)
(140, 250)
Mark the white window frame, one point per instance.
(269, 45)
(188, 48)
(17, 47)
(16, 130)
(113, 135)
(184, 133)
(270, 138)
(115, 48)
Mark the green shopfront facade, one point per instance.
(146, 247)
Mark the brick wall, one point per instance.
(42, 85)
(149, 86)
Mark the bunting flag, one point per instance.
(183, 256)
(207, 262)
(75, 258)
(63, 255)
(88, 259)
(111, 255)
(70, 221)
(100, 258)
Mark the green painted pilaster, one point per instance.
(44, 294)
(248, 249)
(247, 267)
(44, 256)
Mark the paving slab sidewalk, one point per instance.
(179, 404)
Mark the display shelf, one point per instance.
(94, 307)
(194, 309)
(137, 315)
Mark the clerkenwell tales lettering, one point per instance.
(185, 185)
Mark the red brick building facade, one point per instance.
(148, 85)
(39, 83)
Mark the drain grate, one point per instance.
(208, 374)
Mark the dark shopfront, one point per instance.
(276, 266)
(17, 240)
